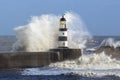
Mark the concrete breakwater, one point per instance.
(36, 59)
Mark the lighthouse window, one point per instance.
(63, 43)
(63, 33)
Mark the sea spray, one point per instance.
(89, 61)
(41, 33)
(86, 65)
(110, 42)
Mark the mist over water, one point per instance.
(41, 33)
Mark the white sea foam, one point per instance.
(91, 49)
(90, 61)
(84, 72)
(87, 65)
(110, 42)
(41, 33)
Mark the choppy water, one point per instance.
(88, 67)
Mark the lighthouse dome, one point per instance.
(62, 19)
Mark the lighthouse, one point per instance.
(62, 38)
(23, 59)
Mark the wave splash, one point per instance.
(41, 33)
(87, 65)
(110, 42)
(90, 61)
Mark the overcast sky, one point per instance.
(102, 17)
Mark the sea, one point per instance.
(90, 66)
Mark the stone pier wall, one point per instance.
(36, 59)
(25, 59)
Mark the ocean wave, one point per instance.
(110, 47)
(85, 72)
(110, 42)
(41, 33)
(87, 65)
(90, 61)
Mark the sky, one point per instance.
(101, 17)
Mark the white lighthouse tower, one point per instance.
(62, 38)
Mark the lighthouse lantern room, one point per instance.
(62, 38)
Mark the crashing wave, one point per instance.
(110, 47)
(110, 42)
(87, 65)
(41, 33)
(90, 61)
